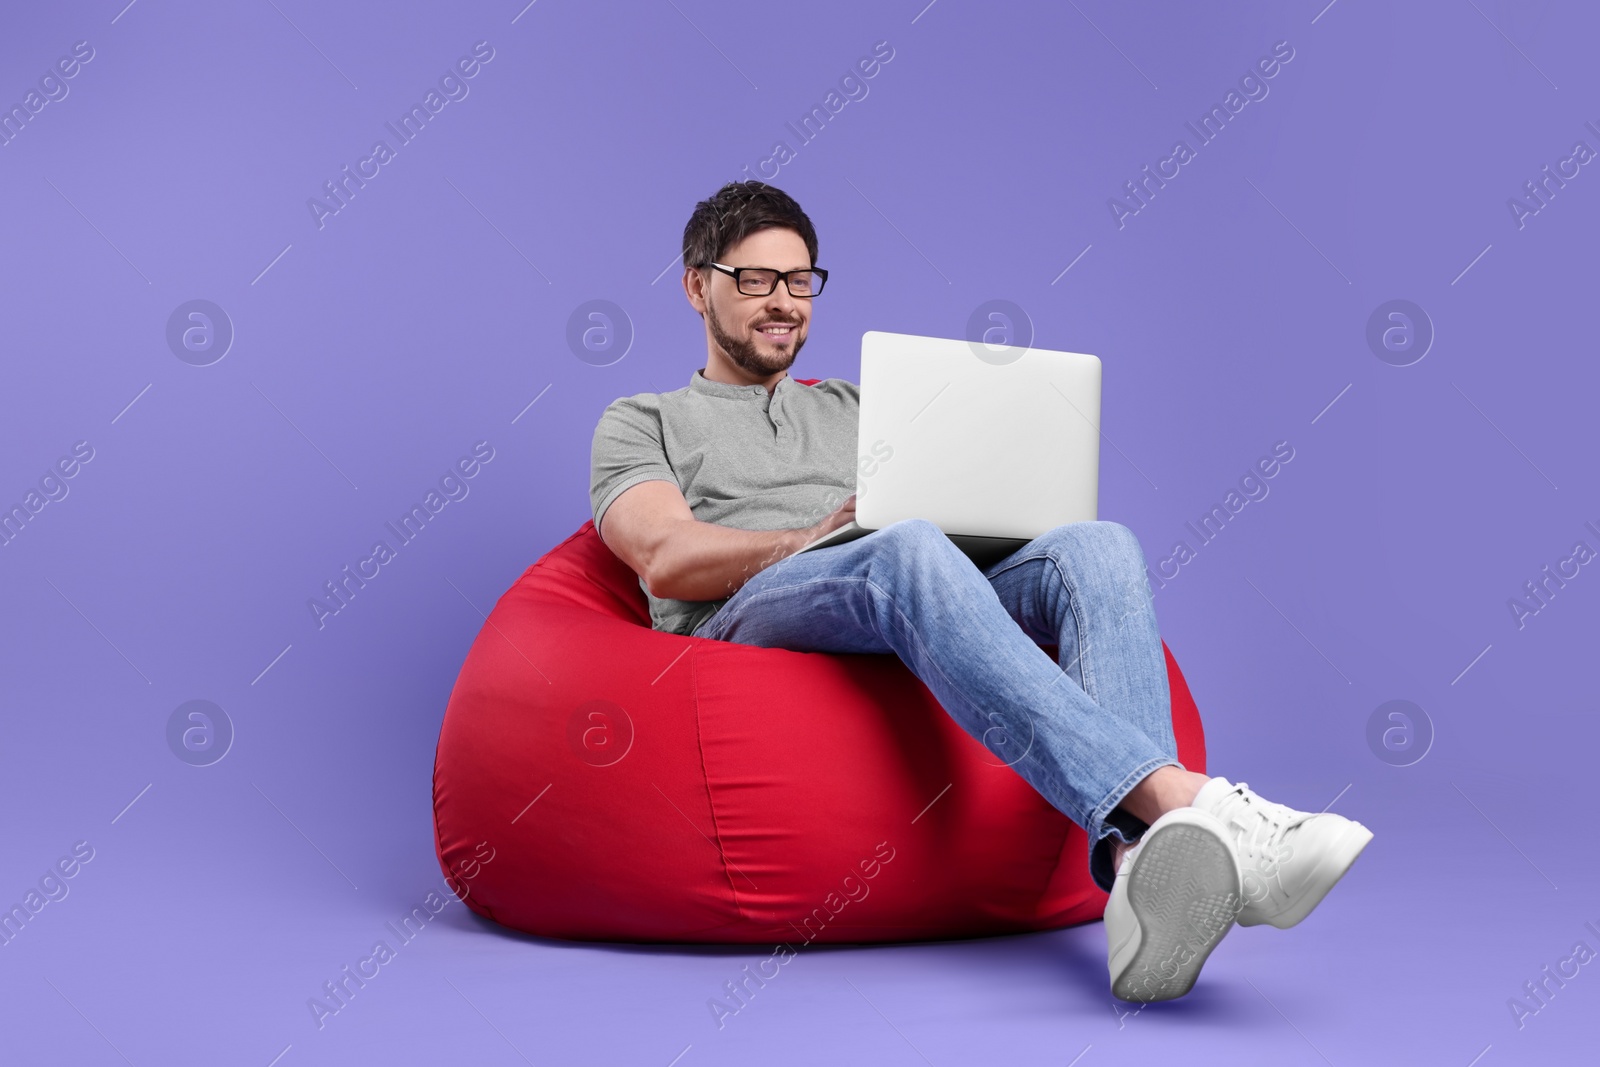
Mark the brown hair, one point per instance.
(738, 210)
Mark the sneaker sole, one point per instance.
(1330, 868)
(1184, 892)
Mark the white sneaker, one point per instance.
(1288, 859)
(1176, 894)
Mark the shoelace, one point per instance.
(1239, 802)
(1262, 824)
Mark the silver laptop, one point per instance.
(993, 444)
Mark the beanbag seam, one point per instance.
(637, 612)
(1050, 876)
(438, 841)
(1053, 650)
(705, 774)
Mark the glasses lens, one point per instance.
(805, 283)
(757, 282)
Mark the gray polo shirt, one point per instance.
(741, 458)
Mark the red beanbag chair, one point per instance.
(600, 780)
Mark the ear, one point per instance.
(694, 287)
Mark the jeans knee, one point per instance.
(1111, 542)
(913, 531)
(1117, 534)
(914, 542)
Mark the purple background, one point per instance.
(432, 310)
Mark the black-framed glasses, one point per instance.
(761, 281)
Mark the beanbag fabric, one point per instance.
(599, 780)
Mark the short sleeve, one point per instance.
(627, 450)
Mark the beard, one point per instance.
(746, 355)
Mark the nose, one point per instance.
(781, 303)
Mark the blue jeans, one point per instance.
(1082, 732)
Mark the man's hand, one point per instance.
(650, 528)
(843, 515)
(793, 541)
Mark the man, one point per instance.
(708, 491)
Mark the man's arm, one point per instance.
(652, 530)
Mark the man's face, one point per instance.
(761, 334)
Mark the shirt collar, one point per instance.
(699, 383)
